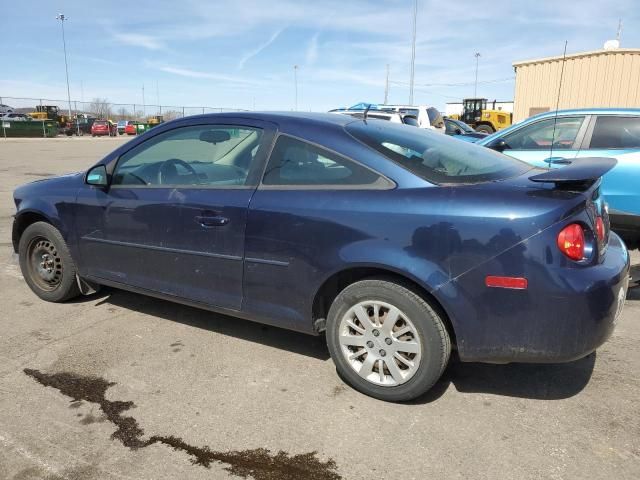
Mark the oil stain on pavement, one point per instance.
(259, 463)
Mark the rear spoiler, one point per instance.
(582, 170)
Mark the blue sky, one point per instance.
(240, 53)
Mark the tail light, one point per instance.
(600, 231)
(571, 241)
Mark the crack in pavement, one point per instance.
(259, 463)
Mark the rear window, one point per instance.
(616, 132)
(100, 123)
(435, 157)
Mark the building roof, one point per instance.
(592, 53)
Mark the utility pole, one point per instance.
(386, 87)
(475, 88)
(413, 51)
(62, 18)
(144, 106)
(295, 80)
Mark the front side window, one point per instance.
(410, 111)
(452, 127)
(616, 132)
(297, 163)
(541, 136)
(207, 155)
(436, 158)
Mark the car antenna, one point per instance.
(555, 117)
(366, 112)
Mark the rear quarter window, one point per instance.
(294, 162)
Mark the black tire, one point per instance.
(62, 284)
(434, 339)
(485, 129)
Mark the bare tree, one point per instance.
(100, 107)
(123, 114)
(171, 115)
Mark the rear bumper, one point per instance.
(563, 315)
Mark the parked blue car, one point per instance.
(401, 244)
(461, 131)
(610, 132)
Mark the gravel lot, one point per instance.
(229, 389)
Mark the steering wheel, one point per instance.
(164, 171)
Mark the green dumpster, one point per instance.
(141, 128)
(34, 128)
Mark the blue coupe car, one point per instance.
(399, 244)
(596, 132)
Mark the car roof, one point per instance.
(285, 118)
(589, 111)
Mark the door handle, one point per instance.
(558, 161)
(211, 221)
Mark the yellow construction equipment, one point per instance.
(49, 112)
(155, 120)
(482, 119)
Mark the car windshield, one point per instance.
(434, 157)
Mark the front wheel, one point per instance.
(485, 129)
(386, 341)
(46, 263)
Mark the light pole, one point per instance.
(413, 51)
(475, 88)
(295, 81)
(386, 87)
(62, 18)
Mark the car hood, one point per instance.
(48, 186)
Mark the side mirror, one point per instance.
(457, 131)
(97, 176)
(498, 144)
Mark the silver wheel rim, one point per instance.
(380, 343)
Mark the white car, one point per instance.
(15, 117)
(428, 117)
(393, 117)
(5, 109)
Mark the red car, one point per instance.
(131, 128)
(104, 127)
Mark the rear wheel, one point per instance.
(386, 341)
(46, 264)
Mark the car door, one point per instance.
(617, 136)
(173, 218)
(533, 142)
(297, 226)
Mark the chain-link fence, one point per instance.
(104, 109)
(97, 108)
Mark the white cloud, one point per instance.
(249, 55)
(186, 72)
(312, 50)
(139, 40)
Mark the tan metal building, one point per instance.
(600, 78)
